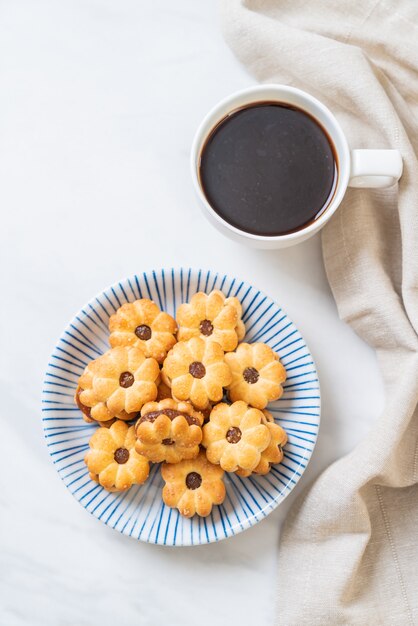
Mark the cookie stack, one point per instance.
(185, 393)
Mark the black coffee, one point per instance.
(268, 169)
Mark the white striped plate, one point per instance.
(140, 511)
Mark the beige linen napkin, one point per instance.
(349, 550)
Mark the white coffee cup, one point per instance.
(356, 168)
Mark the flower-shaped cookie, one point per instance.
(169, 431)
(193, 486)
(112, 460)
(257, 374)
(141, 323)
(235, 436)
(118, 384)
(212, 317)
(196, 371)
(274, 452)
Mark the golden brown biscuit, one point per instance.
(112, 460)
(117, 384)
(193, 486)
(196, 371)
(212, 317)
(142, 324)
(257, 374)
(274, 452)
(235, 436)
(169, 431)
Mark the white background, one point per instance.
(99, 100)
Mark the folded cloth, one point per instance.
(349, 548)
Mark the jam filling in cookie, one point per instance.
(233, 435)
(197, 369)
(193, 480)
(143, 332)
(250, 375)
(206, 328)
(171, 413)
(126, 379)
(121, 455)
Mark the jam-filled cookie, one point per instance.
(141, 323)
(169, 431)
(193, 486)
(212, 317)
(117, 384)
(257, 374)
(112, 460)
(274, 452)
(196, 371)
(235, 436)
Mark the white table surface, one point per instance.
(99, 102)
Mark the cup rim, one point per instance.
(343, 154)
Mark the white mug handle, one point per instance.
(375, 168)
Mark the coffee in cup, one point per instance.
(268, 169)
(271, 164)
